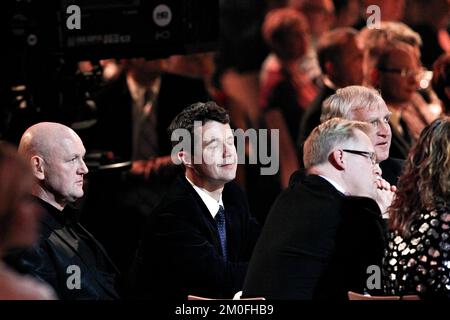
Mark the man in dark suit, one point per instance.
(364, 104)
(200, 237)
(326, 229)
(66, 256)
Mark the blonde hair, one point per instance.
(346, 100)
(327, 136)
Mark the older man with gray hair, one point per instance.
(326, 229)
(365, 104)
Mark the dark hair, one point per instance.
(281, 28)
(425, 181)
(332, 44)
(441, 79)
(200, 111)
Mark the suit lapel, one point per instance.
(63, 242)
(206, 215)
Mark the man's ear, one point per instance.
(185, 158)
(336, 159)
(37, 166)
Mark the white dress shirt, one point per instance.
(211, 203)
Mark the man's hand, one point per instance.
(384, 185)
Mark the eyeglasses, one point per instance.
(406, 73)
(371, 155)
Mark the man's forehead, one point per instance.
(402, 58)
(215, 129)
(70, 145)
(367, 112)
(363, 141)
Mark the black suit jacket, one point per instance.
(180, 253)
(392, 169)
(57, 250)
(316, 244)
(400, 144)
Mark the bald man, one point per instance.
(67, 256)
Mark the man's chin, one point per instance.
(382, 155)
(76, 196)
(228, 177)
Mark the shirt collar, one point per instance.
(210, 202)
(335, 184)
(69, 215)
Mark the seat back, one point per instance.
(192, 297)
(358, 296)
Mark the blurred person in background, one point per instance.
(19, 224)
(441, 81)
(341, 60)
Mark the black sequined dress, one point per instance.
(420, 264)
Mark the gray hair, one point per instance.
(346, 100)
(325, 137)
(390, 33)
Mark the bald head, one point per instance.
(56, 154)
(42, 138)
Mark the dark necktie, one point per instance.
(221, 227)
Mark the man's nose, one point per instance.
(384, 129)
(227, 150)
(83, 168)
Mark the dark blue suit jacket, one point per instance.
(180, 253)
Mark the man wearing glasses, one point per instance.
(325, 230)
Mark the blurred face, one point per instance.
(24, 228)
(299, 42)
(398, 80)
(360, 173)
(320, 14)
(218, 155)
(65, 169)
(381, 135)
(349, 68)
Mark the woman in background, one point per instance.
(19, 223)
(417, 259)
